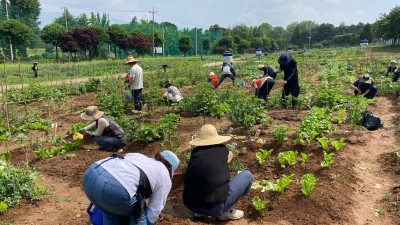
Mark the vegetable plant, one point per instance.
(281, 133)
(308, 182)
(262, 155)
(259, 204)
(3, 207)
(338, 143)
(288, 157)
(323, 142)
(397, 154)
(219, 110)
(304, 158)
(283, 182)
(264, 185)
(328, 159)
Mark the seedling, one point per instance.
(308, 182)
(338, 144)
(283, 182)
(259, 204)
(287, 157)
(281, 133)
(397, 154)
(323, 142)
(328, 159)
(305, 157)
(262, 155)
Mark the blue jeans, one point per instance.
(136, 96)
(239, 186)
(110, 143)
(107, 194)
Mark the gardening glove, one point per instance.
(81, 130)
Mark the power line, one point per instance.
(60, 4)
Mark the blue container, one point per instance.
(95, 215)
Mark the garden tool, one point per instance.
(77, 136)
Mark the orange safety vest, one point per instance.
(213, 80)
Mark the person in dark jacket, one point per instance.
(364, 86)
(263, 87)
(107, 133)
(227, 70)
(268, 70)
(209, 189)
(392, 68)
(119, 185)
(291, 80)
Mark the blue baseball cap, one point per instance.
(172, 159)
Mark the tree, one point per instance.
(52, 34)
(366, 33)
(223, 44)
(67, 20)
(68, 43)
(243, 46)
(15, 32)
(142, 43)
(82, 21)
(206, 44)
(87, 39)
(116, 33)
(185, 44)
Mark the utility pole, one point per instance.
(196, 40)
(11, 47)
(65, 17)
(153, 30)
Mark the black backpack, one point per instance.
(370, 121)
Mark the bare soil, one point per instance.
(353, 191)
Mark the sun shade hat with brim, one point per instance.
(366, 78)
(211, 74)
(284, 59)
(130, 59)
(172, 159)
(209, 136)
(260, 66)
(92, 113)
(393, 61)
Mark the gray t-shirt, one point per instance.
(136, 73)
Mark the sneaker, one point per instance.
(198, 216)
(232, 214)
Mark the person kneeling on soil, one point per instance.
(108, 134)
(364, 86)
(209, 190)
(172, 94)
(119, 185)
(263, 87)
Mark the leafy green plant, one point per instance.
(3, 207)
(281, 133)
(288, 157)
(283, 182)
(323, 142)
(262, 155)
(264, 185)
(397, 154)
(219, 110)
(328, 159)
(315, 123)
(308, 182)
(339, 117)
(305, 157)
(200, 101)
(258, 204)
(338, 144)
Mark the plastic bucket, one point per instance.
(95, 215)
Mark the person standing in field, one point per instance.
(135, 81)
(291, 80)
(209, 190)
(392, 68)
(35, 69)
(268, 70)
(119, 186)
(212, 79)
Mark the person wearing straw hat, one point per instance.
(268, 70)
(291, 80)
(107, 133)
(135, 81)
(212, 79)
(119, 185)
(392, 68)
(209, 190)
(172, 94)
(263, 87)
(364, 86)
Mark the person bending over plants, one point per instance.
(172, 94)
(209, 190)
(119, 185)
(392, 68)
(263, 87)
(364, 86)
(291, 80)
(212, 79)
(268, 70)
(227, 70)
(107, 133)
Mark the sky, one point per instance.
(206, 13)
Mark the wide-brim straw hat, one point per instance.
(209, 136)
(366, 78)
(130, 59)
(92, 113)
(284, 59)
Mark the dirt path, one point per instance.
(373, 182)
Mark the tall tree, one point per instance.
(15, 32)
(52, 34)
(206, 44)
(116, 34)
(366, 33)
(185, 44)
(87, 39)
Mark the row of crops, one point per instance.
(324, 80)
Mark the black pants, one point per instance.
(223, 76)
(290, 89)
(265, 89)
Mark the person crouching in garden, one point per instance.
(364, 86)
(263, 87)
(172, 94)
(392, 68)
(119, 185)
(212, 79)
(107, 133)
(209, 190)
